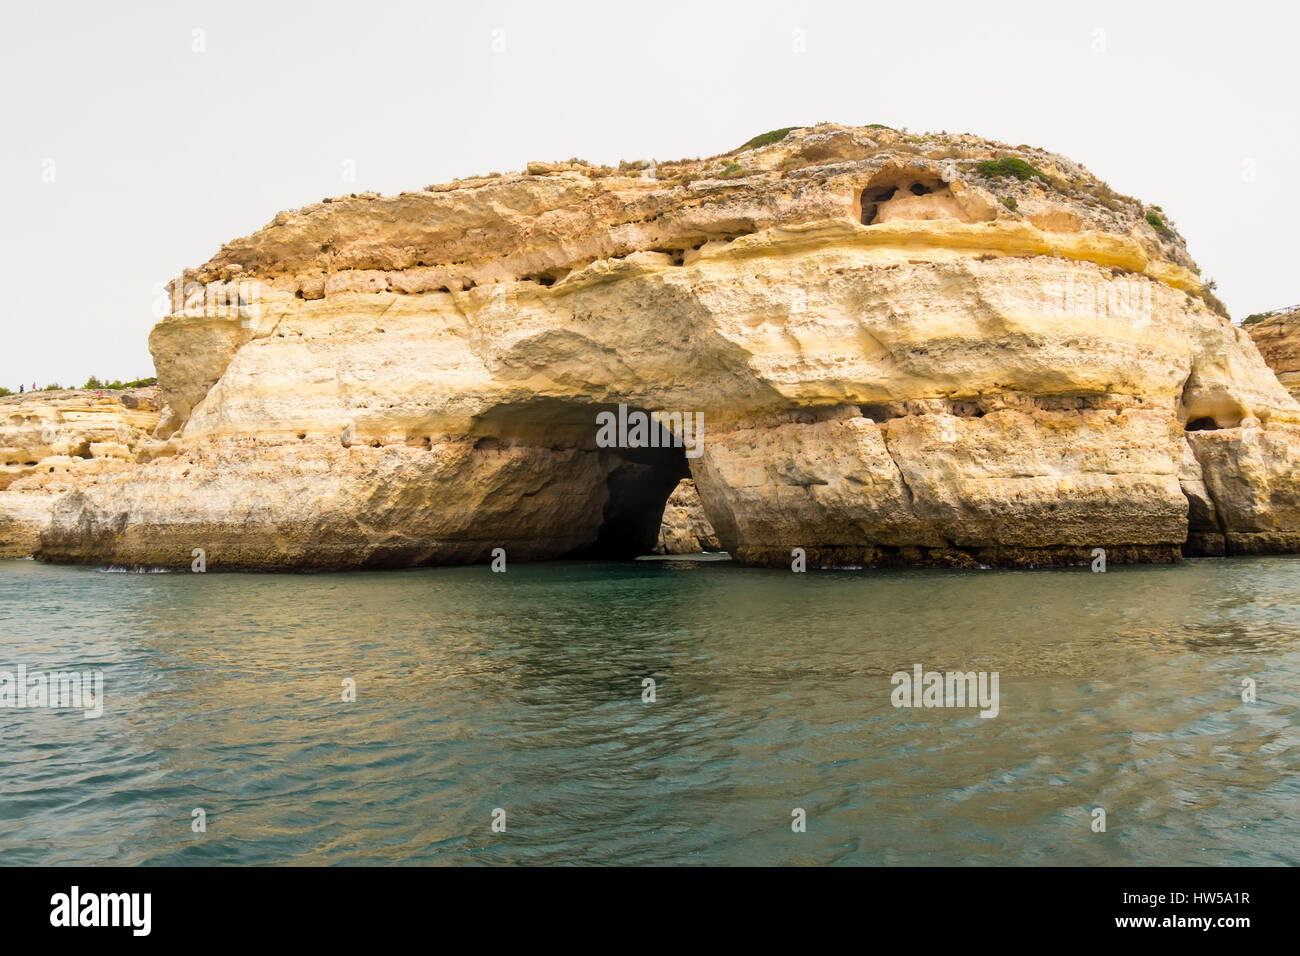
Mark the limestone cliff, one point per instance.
(685, 528)
(1278, 340)
(933, 349)
(53, 441)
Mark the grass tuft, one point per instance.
(768, 138)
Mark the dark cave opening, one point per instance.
(630, 485)
(904, 185)
(639, 484)
(871, 200)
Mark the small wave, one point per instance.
(123, 569)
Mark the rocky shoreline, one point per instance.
(905, 350)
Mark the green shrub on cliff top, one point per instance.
(1010, 166)
(1206, 294)
(768, 138)
(94, 383)
(1156, 222)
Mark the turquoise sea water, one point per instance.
(523, 691)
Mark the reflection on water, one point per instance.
(523, 691)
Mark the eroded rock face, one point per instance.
(685, 528)
(1278, 340)
(899, 356)
(51, 442)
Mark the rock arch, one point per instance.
(622, 488)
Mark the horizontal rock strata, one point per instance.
(904, 350)
(1278, 340)
(54, 441)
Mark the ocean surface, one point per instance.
(522, 692)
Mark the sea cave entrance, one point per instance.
(609, 494)
(638, 487)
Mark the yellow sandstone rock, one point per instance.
(685, 528)
(53, 441)
(1278, 340)
(902, 354)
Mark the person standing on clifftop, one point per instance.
(20, 389)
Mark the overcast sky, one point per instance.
(161, 143)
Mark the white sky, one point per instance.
(160, 153)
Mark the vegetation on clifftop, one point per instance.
(1010, 166)
(1206, 294)
(92, 384)
(118, 384)
(768, 138)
